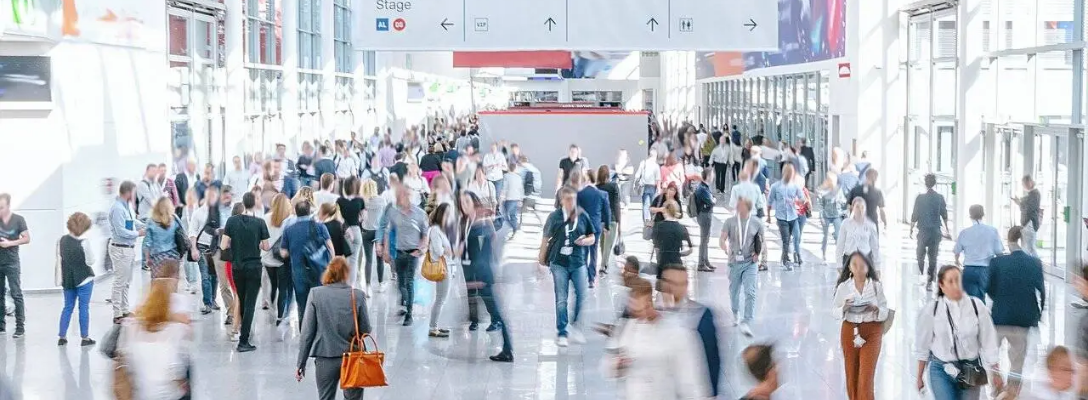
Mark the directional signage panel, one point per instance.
(705, 25)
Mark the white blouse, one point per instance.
(871, 293)
(156, 360)
(976, 335)
(664, 361)
(859, 236)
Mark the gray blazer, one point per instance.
(327, 327)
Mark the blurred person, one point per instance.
(832, 207)
(495, 166)
(761, 175)
(648, 177)
(741, 239)
(622, 172)
(1031, 217)
(439, 246)
(256, 164)
(329, 214)
(375, 172)
(375, 208)
(783, 198)
(858, 235)
(1080, 282)
(610, 229)
(216, 257)
(804, 210)
(188, 208)
(74, 260)
(238, 177)
(1018, 296)
(207, 179)
(704, 209)
(352, 209)
(954, 315)
(203, 227)
(672, 172)
(441, 194)
(722, 161)
(416, 184)
(347, 165)
(930, 215)
(246, 235)
(567, 236)
(335, 313)
(148, 191)
(409, 223)
(861, 304)
(157, 348)
(694, 316)
(305, 164)
(848, 178)
(759, 359)
(511, 196)
(746, 188)
(569, 165)
(655, 359)
(483, 189)
(324, 163)
(669, 237)
(806, 152)
(306, 193)
(1060, 381)
(477, 251)
(169, 188)
(279, 217)
(657, 206)
(13, 234)
(978, 244)
(874, 198)
(159, 245)
(327, 192)
(304, 241)
(186, 180)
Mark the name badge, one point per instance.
(466, 262)
(738, 256)
(566, 250)
(130, 224)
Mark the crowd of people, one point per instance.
(325, 230)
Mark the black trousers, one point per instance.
(721, 172)
(11, 274)
(929, 241)
(282, 289)
(371, 258)
(247, 280)
(704, 219)
(406, 275)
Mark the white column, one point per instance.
(289, 93)
(970, 108)
(234, 103)
(328, 69)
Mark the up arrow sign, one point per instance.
(550, 23)
(652, 23)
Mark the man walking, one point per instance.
(238, 177)
(594, 202)
(410, 224)
(511, 196)
(246, 235)
(1018, 295)
(704, 209)
(874, 198)
(741, 238)
(979, 244)
(13, 233)
(930, 215)
(568, 234)
(147, 192)
(1029, 214)
(648, 176)
(303, 242)
(694, 316)
(126, 228)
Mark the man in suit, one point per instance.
(185, 179)
(595, 203)
(1017, 290)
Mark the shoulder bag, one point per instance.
(181, 241)
(362, 368)
(886, 324)
(434, 269)
(971, 374)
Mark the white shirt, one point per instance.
(648, 173)
(347, 167)
(859, 236)
(439, 244)
(513, 187)
(375, 206)
(976, 335)
(1043, 391)
(494, 165)
(239, 181)
(721, 155)
(322, 197)
(156, 360)
(871, 293)
(665, 363)
(274, 234)
(485, 191)
(417, 188)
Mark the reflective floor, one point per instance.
(792, 311)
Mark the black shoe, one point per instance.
(762, 267)
(87, 342)
(444, 330)
(591, 286)
(205, 310)
(229, 321)
(145, 268)
(62, 341)
(407, 321)
(215, 307)
(494, 326)
(19, 332)
(402, 313)
(503, 357)
(797, 256)
(246, 347)
(472, 326)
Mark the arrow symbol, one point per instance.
(652, 23)
(446, 24)
(751, 24)
(550, 23)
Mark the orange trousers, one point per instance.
(861, 362)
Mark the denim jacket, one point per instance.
(159, 239)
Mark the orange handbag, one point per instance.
(362, 368)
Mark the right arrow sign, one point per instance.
(751, 24)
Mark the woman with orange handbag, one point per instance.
(439, 251)
(334, 313)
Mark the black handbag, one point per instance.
(181, 241)
(971, 374)
(619, 248)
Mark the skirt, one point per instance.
(156, 261)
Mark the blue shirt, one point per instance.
(159, 239)
(783, 200)
(847, 181)
(978, 243)
(762, 174)
(201, 187)
(120, 213)
(298, 235)
(595, 203)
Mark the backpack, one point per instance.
(529, 184)
(380, 178)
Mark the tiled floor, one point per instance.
(793, 311)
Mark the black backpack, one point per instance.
(529, 186)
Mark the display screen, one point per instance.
(25, 79)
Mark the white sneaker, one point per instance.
(1079, 303)
(381, 287)
(745, 330)
(576, 336)
(562, 341)
(234, 337)
(922, 280)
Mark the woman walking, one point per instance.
(783, 198)
(668, 238)
(657, 207)
(858, 235)
(439, 247)
(75, 258)
(351, 208)
(832, 206)
(279, 288)
(375, 207)
(335, 313)
(860, 303)
(191, 268)
(477, 251)
(157, 347)
(955, 337)
(329, 214)
(159, 244)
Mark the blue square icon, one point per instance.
(383, 25)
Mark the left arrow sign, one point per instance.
(446, 24)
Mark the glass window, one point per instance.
(264, 28)
(342, 37)
(309, 37)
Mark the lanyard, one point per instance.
(743, 233)
(570, 228)
(127, 209)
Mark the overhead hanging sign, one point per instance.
(597, 25)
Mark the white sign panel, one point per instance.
(598, 25)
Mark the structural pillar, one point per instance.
(970, 109)
(328, 74)
(290, 88)
(234, 101)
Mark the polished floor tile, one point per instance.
(793, 311)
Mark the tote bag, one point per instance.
(361, 368)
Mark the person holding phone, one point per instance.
(860, 303)
(125, 229)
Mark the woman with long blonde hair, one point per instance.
(159, 242)
(375, 206)
(277, 287)
(156, 347)
(305, 193)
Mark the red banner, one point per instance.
(512, 59)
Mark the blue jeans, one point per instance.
(743, 274)
(562, 277)
(303, 279)
(835, 222)
(975, 281)
(405, 265)
(648, 194)
(800, 227)
(944, 386)
(208, 282)
(510, 214)
(786, 230)
(83, 293)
